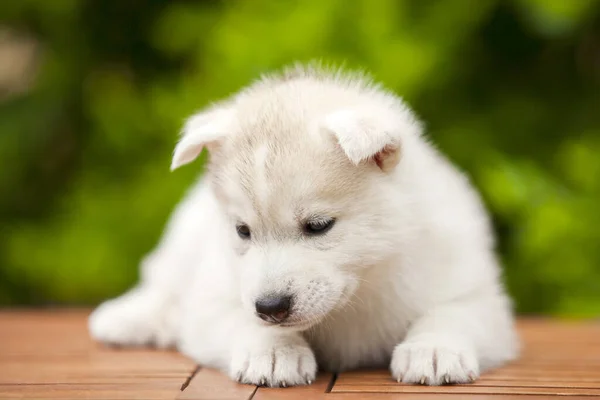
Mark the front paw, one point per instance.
(434, 362)
(276, 364)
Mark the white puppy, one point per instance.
(327, 231)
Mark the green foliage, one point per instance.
(509, 90)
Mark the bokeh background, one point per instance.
(93, 93)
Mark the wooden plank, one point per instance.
(382, 378)
(49, 354)
(437, 396)
(465, 389)
(142, 390)
(209, 384)
(315, 391)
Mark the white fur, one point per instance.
(405, 278)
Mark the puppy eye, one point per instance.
(243, 231)
(318, 227)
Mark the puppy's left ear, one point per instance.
(373, 133)
(201, 130)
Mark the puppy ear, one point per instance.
(372, 133)
(201, 130)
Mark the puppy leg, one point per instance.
(225, 337)
(140, 317)
(273, 359)
(147, 314)
(452, 343)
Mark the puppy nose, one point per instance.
(273, 308)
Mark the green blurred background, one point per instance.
(93, 93)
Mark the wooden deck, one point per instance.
(48, 355)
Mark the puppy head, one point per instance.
(306, 168)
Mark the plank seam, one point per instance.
(253, 393)
(331, 382)
(185, 384)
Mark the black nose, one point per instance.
(273, 308)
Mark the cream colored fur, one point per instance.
(406, 278)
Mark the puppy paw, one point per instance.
(130, 321)
(434, 362)
(281, 364)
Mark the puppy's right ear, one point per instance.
(373, 132)
(200, 130)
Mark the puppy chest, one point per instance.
(343, 343)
